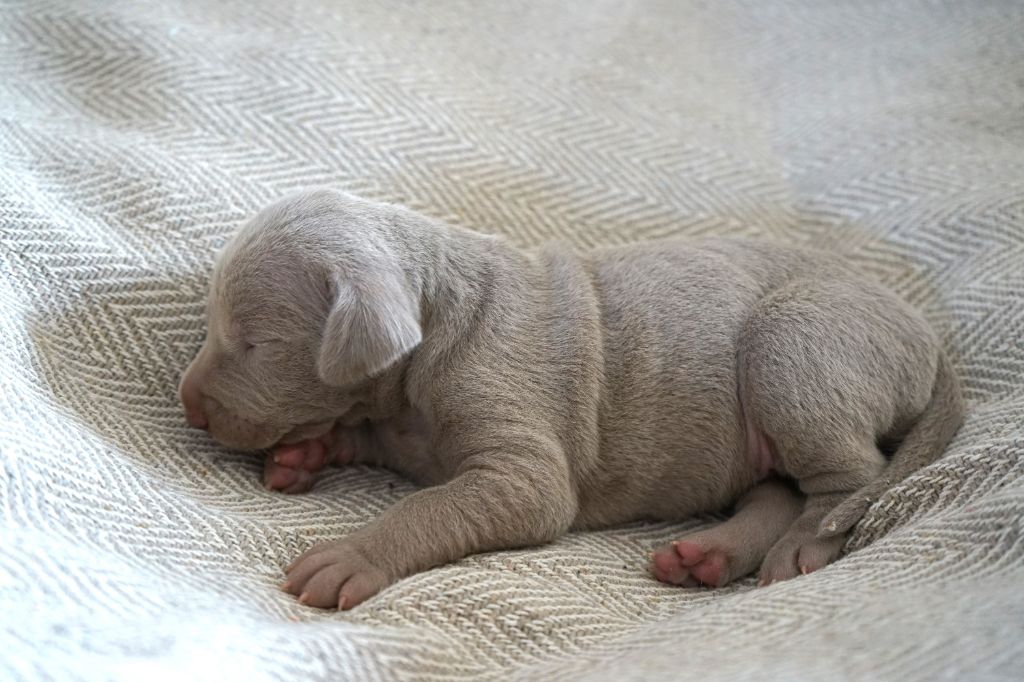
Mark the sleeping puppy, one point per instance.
(531, 393)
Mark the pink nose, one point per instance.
(196, 418)
(192, 399)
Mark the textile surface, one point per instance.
(134, 137)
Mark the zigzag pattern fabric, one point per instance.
(134, 137)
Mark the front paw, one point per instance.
(334, 574)
(293, 468)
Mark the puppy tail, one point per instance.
(923, 444)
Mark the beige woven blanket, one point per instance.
(135, 136)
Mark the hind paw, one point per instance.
(689, 563)
(799, 553)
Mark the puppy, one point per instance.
(531, 393)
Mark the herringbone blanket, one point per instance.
(134, 137)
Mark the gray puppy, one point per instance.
(536, 392)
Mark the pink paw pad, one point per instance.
(309, 455)
(669, 569)
(688, 564)
(707, 566)
(290, 468)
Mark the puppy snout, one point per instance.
(192, 399)
(196, 417)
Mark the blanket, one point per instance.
(135, 137)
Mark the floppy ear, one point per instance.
(370, 326)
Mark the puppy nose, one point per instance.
(196, 418)
(192, 399)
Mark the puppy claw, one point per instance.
(803, 570)
(286, 585)
(304, 597)
(342, 603)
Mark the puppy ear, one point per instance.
(370, 326)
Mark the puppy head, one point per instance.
(307, 303)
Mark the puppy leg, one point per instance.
(498, 501)
(827, 366)
(801, 550)
(735, 547)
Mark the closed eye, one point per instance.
(250, 344)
